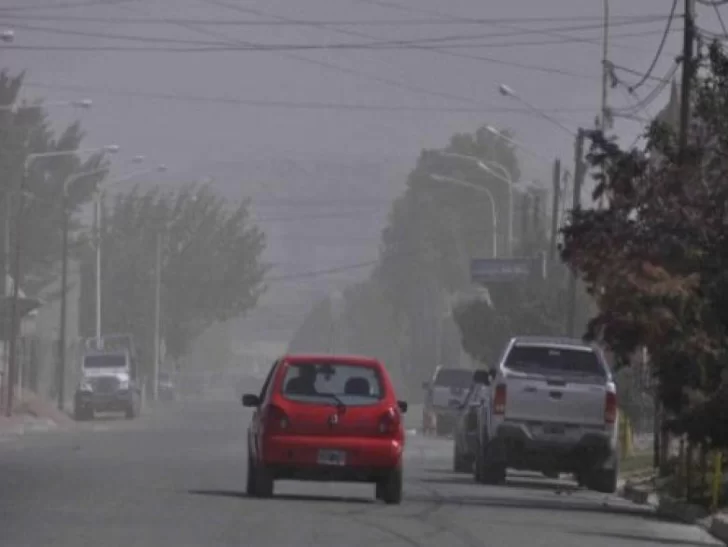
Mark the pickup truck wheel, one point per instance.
(459, 463)
(81, 414)
(389, 489)
(603, 481)
(130, 412)
(486, 472)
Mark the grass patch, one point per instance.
(637, 462)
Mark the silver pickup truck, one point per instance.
(553, 409)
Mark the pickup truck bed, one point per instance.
(553, 410)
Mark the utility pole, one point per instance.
(64, 298)
(536, 217)
(525, 228)
(14, 319)
(157, 313)
(605, 115)
(4, 289)
(688, 65)
(556, 199)
(579, 172)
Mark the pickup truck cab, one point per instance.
(553, 409)
(444, 395)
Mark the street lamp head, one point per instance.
(161, 168)
(506, 91)
(138, 159)
(82, 103)
(493, 130)
(112, 148)
(7, 36)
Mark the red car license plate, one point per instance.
(332, 457)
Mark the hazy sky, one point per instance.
(187, 133)
(248, 113)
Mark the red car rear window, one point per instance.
(348, 383)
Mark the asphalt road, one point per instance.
(176, 478)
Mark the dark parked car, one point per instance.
(466, 428)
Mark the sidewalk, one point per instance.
(642, 491)
(33, 414)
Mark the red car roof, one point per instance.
(302, 358)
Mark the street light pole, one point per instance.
(157, 312)
(98, 231)
(490, 167)
(491, 200)
(14, 320)
(61, 373)
(12, 358)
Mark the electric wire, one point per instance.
(660, 48)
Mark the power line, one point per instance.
(256, 47)
(449, 17)
(302, 105)
(319, 273)
(446, 38)
(655, 60)
(66, 5)
(302, 22)
(380, 43)
(720, 19)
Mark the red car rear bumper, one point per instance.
(293, 450)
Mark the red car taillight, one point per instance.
(499, 400)
(389, 423)
(610, 408)
(276, 420)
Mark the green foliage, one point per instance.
(210, 256)
(655, 258)
(511, 309)
(433, 231)
(35, 200)
(314, 333)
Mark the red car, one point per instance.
(326, 418)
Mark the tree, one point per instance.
(210, 256)
(314, 333)
(655, 258)
(37, 211)
(433, 230)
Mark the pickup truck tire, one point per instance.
(459, 463)
(81, 414)
(486, 472)
(130, 412)
(603, 481)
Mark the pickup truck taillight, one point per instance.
(499, 399)
(276, 420)
(610, 408)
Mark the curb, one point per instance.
(677, 511)
(23, 427)
(719, 528)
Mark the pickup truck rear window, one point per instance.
(550, 360)
(453, 377)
